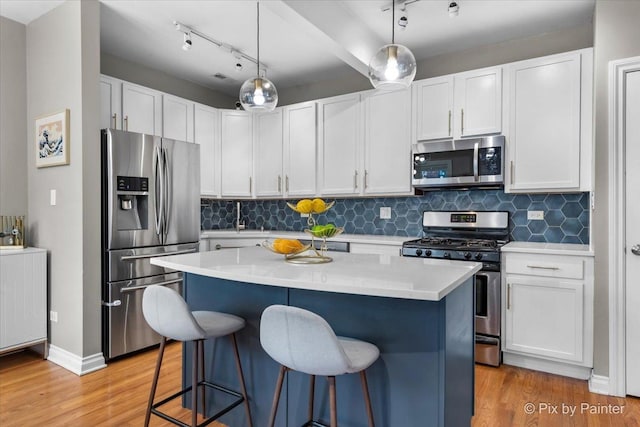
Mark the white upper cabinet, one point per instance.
(433, 108)
(110, 103)
(550, 116)
(300, 149)
(236, 153)
(207, 134)
(340, 145)
(387, 142)
(268, 154)
(141, 109)
(478, 102)
(177, 118)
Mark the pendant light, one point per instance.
(393, 66)
(258, 94)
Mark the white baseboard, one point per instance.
(552, 367)
(76, 364)
(599, 384)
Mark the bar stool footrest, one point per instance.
(206, 421)
(312, 423)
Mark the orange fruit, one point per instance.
(287, 246)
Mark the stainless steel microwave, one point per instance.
(460, 163)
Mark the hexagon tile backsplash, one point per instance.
(566, 216)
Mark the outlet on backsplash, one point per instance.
(534, 215)
(385, 212)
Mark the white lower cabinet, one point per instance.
(23, 298)
(548, 312)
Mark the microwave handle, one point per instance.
(476, 177)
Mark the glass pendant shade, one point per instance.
(392, 67)
(258, 94)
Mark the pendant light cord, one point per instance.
(258, 36)
(393, 22)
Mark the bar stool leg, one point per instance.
(332, 399)
(276, 396)
(154, 384)
(312, 384)
(194, 385)
(203, 387)
(241, 375)
(367, 399)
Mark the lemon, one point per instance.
(304, 206)
(319, 205)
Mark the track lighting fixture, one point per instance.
(454, 9)
(187, 42)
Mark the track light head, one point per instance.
(187, 42)
(454, 9)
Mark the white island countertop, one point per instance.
(359, 274)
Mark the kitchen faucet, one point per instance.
(239, 225)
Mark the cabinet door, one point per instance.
(207, 133)
(478, 102)
(236, 154)
(23, 302)
(387, 143)
(268, 153)
(177, 118)
(544, 124)
(110, 103)
(545, 317)
(339, 145)
(433, 104)
(142, 109)
(300, 149)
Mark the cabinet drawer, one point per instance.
(544, 265)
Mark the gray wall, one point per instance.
(500, 53)
(62, 72)
(140, 74)
(616, 36)
(13, 118)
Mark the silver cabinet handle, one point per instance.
(513, 176)
(449, 122)
(138, 288)
(279, 184)
(250, 185)
(286, 183)
(635, 249)
(355, 180)
(509, 296)
(476, 177)
(543, 267)
(366, 179)
(136, 257)
(462, 121)
(126, 122)
(114, 120)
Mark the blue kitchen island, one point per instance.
(419, 312)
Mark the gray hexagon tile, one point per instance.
(566, 216)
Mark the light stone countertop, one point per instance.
(272, 234)
(360, 274)
(548, 248)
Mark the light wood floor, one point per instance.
(34, 392)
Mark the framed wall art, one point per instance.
(52, 139)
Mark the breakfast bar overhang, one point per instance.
(419, 312)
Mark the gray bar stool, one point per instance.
(168, 314)
(302, 341)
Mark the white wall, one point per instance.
(616, 36)
(13, 118)
(63, 72)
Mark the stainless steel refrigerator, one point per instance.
(150, 208)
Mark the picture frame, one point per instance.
(52, 139)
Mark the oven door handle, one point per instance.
(476, 176)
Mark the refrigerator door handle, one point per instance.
(167, 191)
(138, 288)
(159, 189)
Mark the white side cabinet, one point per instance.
(387, 143)
(340, 134)
(300, 149)
(548, 312)
(236, 145)
(177, 118)
(23, 298)
(141, 109)
(207, 134)
(110, 103)
(268, 154)
(550, 116)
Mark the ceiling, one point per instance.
(307, 41)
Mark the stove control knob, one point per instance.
(479, 256)
(427, 252)
(467, 255)
(446, 255)
(418, 252)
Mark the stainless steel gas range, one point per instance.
(470, 236)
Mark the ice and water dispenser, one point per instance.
(133, 203)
